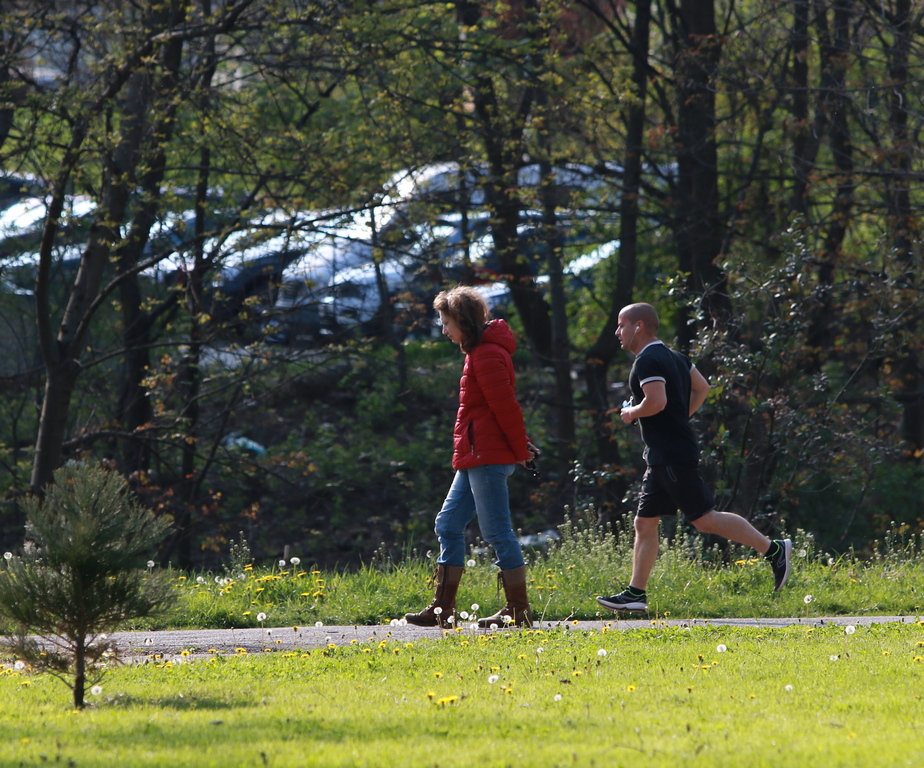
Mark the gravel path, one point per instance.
(142, 645)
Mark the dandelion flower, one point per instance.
(807, 599)
(721, 648)
(630, 688)
(850, 629)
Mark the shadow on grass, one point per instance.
(182, 703)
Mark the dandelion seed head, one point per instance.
(834, 657)
(393, 623)
(721, 648)
(295, 560)
(493, 679)
(261, 617)
(803, 553)
(788, 688)
(463, 615)
(319, 624)
(19, 665)
(807, 599)
(850, 629)
(96, 690)
(475, 607)
(438, 611)
(200, 580)
(7, 555)
(150, 563)
(556, 697)
(601, 652)
(470, 563)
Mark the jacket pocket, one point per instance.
(471, 437)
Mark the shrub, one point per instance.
(81, 574)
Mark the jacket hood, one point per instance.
(498, 332)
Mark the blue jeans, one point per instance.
(479, 491)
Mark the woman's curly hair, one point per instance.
(470, 311)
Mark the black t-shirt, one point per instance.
(668, 437)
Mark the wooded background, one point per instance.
(755, 166)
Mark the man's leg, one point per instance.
(645, 551)
(733, 527)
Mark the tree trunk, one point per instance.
(698, 229)
(903, 221)
(606, 346)
(835, 47)
(503, 145)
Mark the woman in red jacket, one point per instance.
(489, 440)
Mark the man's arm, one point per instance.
(699, 389)
(653, 402)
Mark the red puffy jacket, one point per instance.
(489, 425)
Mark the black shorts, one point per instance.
(669, 487)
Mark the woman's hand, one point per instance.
(533, 453)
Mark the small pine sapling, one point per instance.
(82, 574)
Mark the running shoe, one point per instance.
(625, 601)
(781, 563)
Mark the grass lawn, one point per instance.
(659, 696)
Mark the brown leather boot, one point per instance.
(447, 585)
(516, 610)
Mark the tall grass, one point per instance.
(689, 581)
